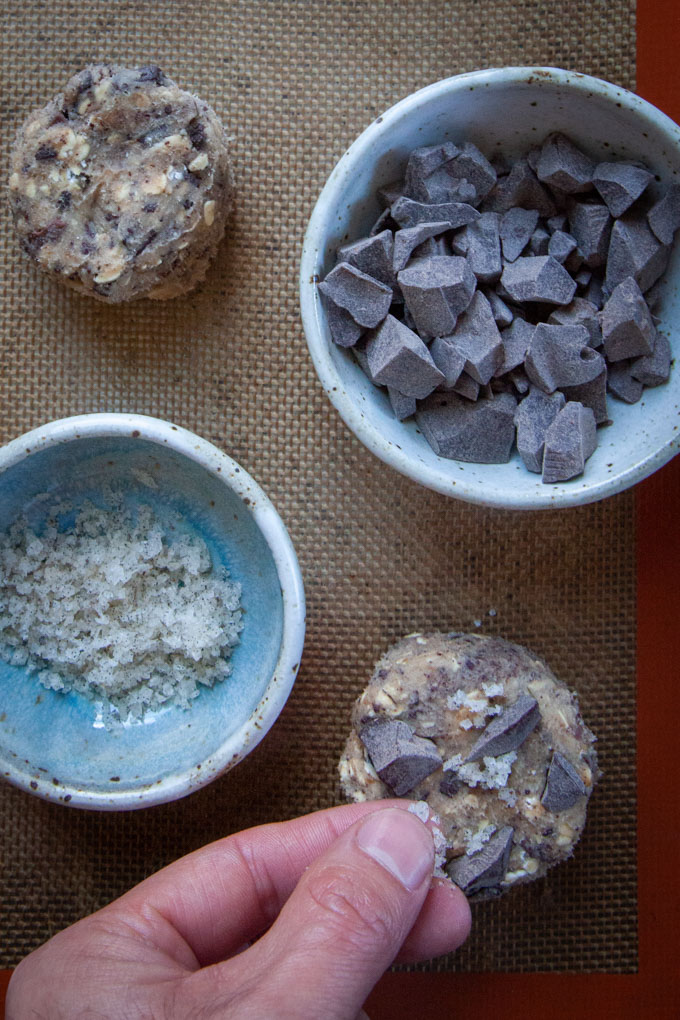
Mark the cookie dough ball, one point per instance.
(121, 186)
(485, 733)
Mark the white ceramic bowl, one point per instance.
(53, 744)
(507, 110)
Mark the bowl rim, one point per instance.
(261, 509)
(319, 347)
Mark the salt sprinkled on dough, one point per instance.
(421, 810)
(118, 607)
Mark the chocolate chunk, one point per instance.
(621, 383)
(592, 394)
(627, 327)
(664, 217)
(436, 291)
(478, 433)
(151, 73)
(569, 441)
(560, 356)
(466, 387)
(485, 869)
(521, 188)
(563, 166)
(472, 166)
(591, 226)
(579, 312)
(389, 193)
(45, 153)
(344, 330)
(449, 360)
(408, 213)
(635, 251)
(520, 380)
(501, 312)
(426, 178)
(558, 222)
(654, 369)
(561, 246)
(539, 242)
(44, 235)
(450, 784)
(397, 357)
(539, 278)
(516, 229)
(516, 342)
(477, 338)
(563, 785)
(367, 300)
(620, 184)
(372, 256)
(483, 248)
(410, 238)
(401, 759)
(402, 405)
(196, 133)
(507, 731)
(533, 418)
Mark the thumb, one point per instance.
(346, 920)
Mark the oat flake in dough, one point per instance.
(120, 185)
(452, 690)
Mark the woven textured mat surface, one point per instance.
(296, 82)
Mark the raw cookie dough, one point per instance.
(483, 732)
(121, 186)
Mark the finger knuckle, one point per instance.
(349, 911)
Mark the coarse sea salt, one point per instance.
(121, 607)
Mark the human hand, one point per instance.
(291, 920)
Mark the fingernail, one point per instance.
(400, 843)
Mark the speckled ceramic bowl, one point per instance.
(53, 744)
(505, 110)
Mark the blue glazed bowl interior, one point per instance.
(55, 738)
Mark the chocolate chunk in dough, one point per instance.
(401, 759)
(486, 869)
(507, 731)
(563, 785)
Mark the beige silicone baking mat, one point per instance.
(296, 82)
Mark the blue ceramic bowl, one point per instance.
(53, 744)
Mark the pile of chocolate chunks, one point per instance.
(501, 302)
